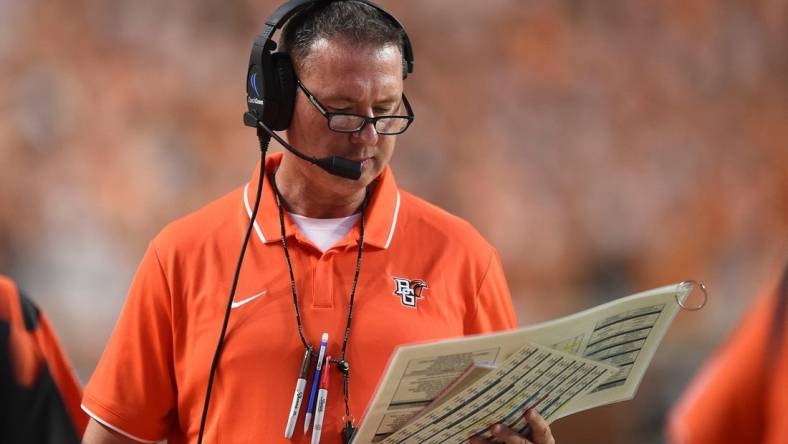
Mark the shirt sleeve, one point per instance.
(38, 385)
(492, 308)
(132, 390)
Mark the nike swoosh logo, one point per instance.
(247, 300)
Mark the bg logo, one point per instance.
(409, 290)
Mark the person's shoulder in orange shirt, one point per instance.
(39, 390)
(741, 395)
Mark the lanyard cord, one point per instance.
(342, 365)
(299, 324)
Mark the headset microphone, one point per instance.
(338, 166)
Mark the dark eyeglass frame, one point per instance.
(365, 119)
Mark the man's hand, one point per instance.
(540, 432)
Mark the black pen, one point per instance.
(298, 396)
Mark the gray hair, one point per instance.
(354, 21)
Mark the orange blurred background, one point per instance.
(603, 147)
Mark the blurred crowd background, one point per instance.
(603, 147)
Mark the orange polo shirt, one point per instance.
(741, 395)
(150, 383)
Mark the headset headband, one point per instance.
(268, 78)
(291, 8)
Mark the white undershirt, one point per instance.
(324, 233)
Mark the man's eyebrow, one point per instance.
(347, 99)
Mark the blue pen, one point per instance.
(310, 407)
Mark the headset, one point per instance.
(270, 97)
(271, 84)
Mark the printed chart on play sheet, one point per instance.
(609, 346)
(533, 376)
(423, 381)
(624, 333)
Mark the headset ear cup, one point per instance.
(285, 79)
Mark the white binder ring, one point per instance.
(691, 284)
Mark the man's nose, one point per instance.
(367, 135)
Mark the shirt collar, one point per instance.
(381, 218)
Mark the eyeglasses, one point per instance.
(351, 123)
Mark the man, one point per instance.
(424, 274)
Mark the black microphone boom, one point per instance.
(338, 166)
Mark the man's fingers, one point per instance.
(540, 429)
(507, 435)
(540, 432)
